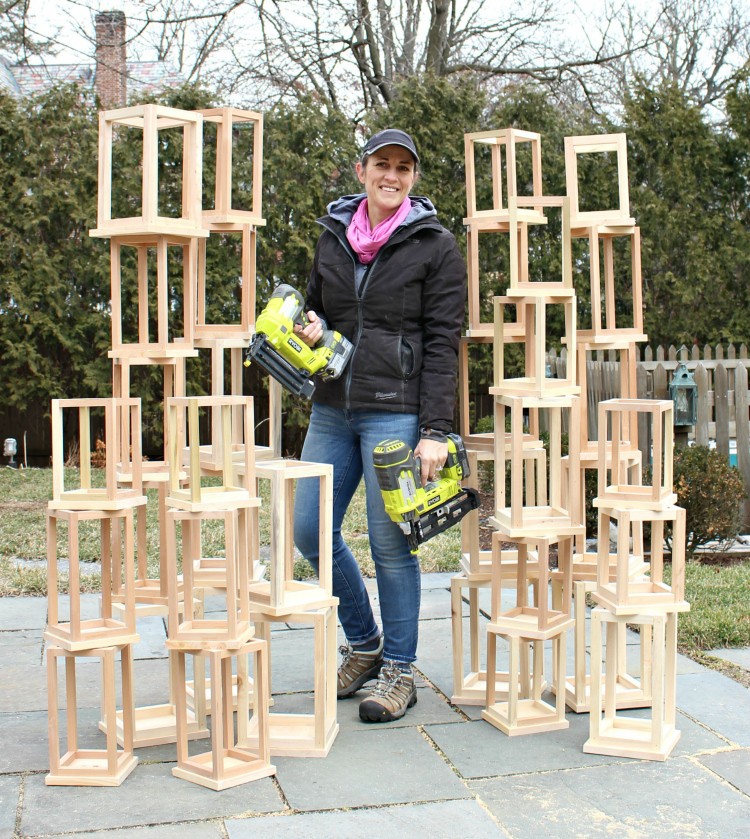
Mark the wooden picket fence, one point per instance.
(723, 407)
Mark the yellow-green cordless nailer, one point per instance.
(281, 354)
(423, 512)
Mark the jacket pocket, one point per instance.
(409, 357)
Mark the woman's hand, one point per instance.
(432, 456)
(312, 333)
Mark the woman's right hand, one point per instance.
(312, 333)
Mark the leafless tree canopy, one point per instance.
(352, 53)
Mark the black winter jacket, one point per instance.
(404, 317)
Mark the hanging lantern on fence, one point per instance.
(683, 391)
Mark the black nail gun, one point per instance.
(289, 360)
(423, 512)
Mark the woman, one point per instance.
(391, 279)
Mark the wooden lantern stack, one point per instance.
(543, 504)
(110, 635)
(646, 602)
(224, 641)
(206, 478)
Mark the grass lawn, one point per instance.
(23, 502)
(719, 594)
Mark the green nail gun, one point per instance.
(423, 512)
(289, 360)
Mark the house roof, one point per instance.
(32, 79)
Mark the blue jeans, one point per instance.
(346, 440)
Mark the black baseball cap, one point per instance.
(390, 137)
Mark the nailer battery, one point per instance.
(284, 356)
(423, 512)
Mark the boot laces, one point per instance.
(390, 678)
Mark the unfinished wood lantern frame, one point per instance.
(303, 734)
(156, 725)
(235, 347)
(535, 382)
(227, 764)
(518, 237)
(165, 343)
(598, 144)
(560, 515)
(623, 736)
(585, 559)
(535, 618)
(114, 626)
(106, 767)
(631, 691)
(122, 440)
(470, 688)
(244, 328)
(618, 423)
(622, 354)
(150, 120)
(281, 594)
(187, 628)
(154, 472)
(190, 458)
(524, 711)
(223, 213)
(477, 329)
(625, 593)
(605, 330)
(506, 140)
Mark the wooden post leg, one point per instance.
(53, 715)
(513, 664)
(492, 670)
(595, 700)
(110, 708)
(457, 632)
(658, 682)
(579, 643)
(177, 674)
(560, 684)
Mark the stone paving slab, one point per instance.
(717, 701)
(152, 638)
(23, 613)
(23, 647)
(196, 830)
(637, 799)
(741, 657)
(479, 750)
(24, 688)
(149, 795)
(385, 766)
(24, 742)
(442, 820)
(733, 767)
(10, 788)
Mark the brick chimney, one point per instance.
(111, 58)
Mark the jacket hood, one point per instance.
(342, 209)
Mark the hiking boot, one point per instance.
(393, 694)
(357, 667)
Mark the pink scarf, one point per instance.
(367, 241)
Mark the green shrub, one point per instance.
(711, 491)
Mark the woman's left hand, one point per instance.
(432, 456)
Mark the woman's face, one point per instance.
(388, 175)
